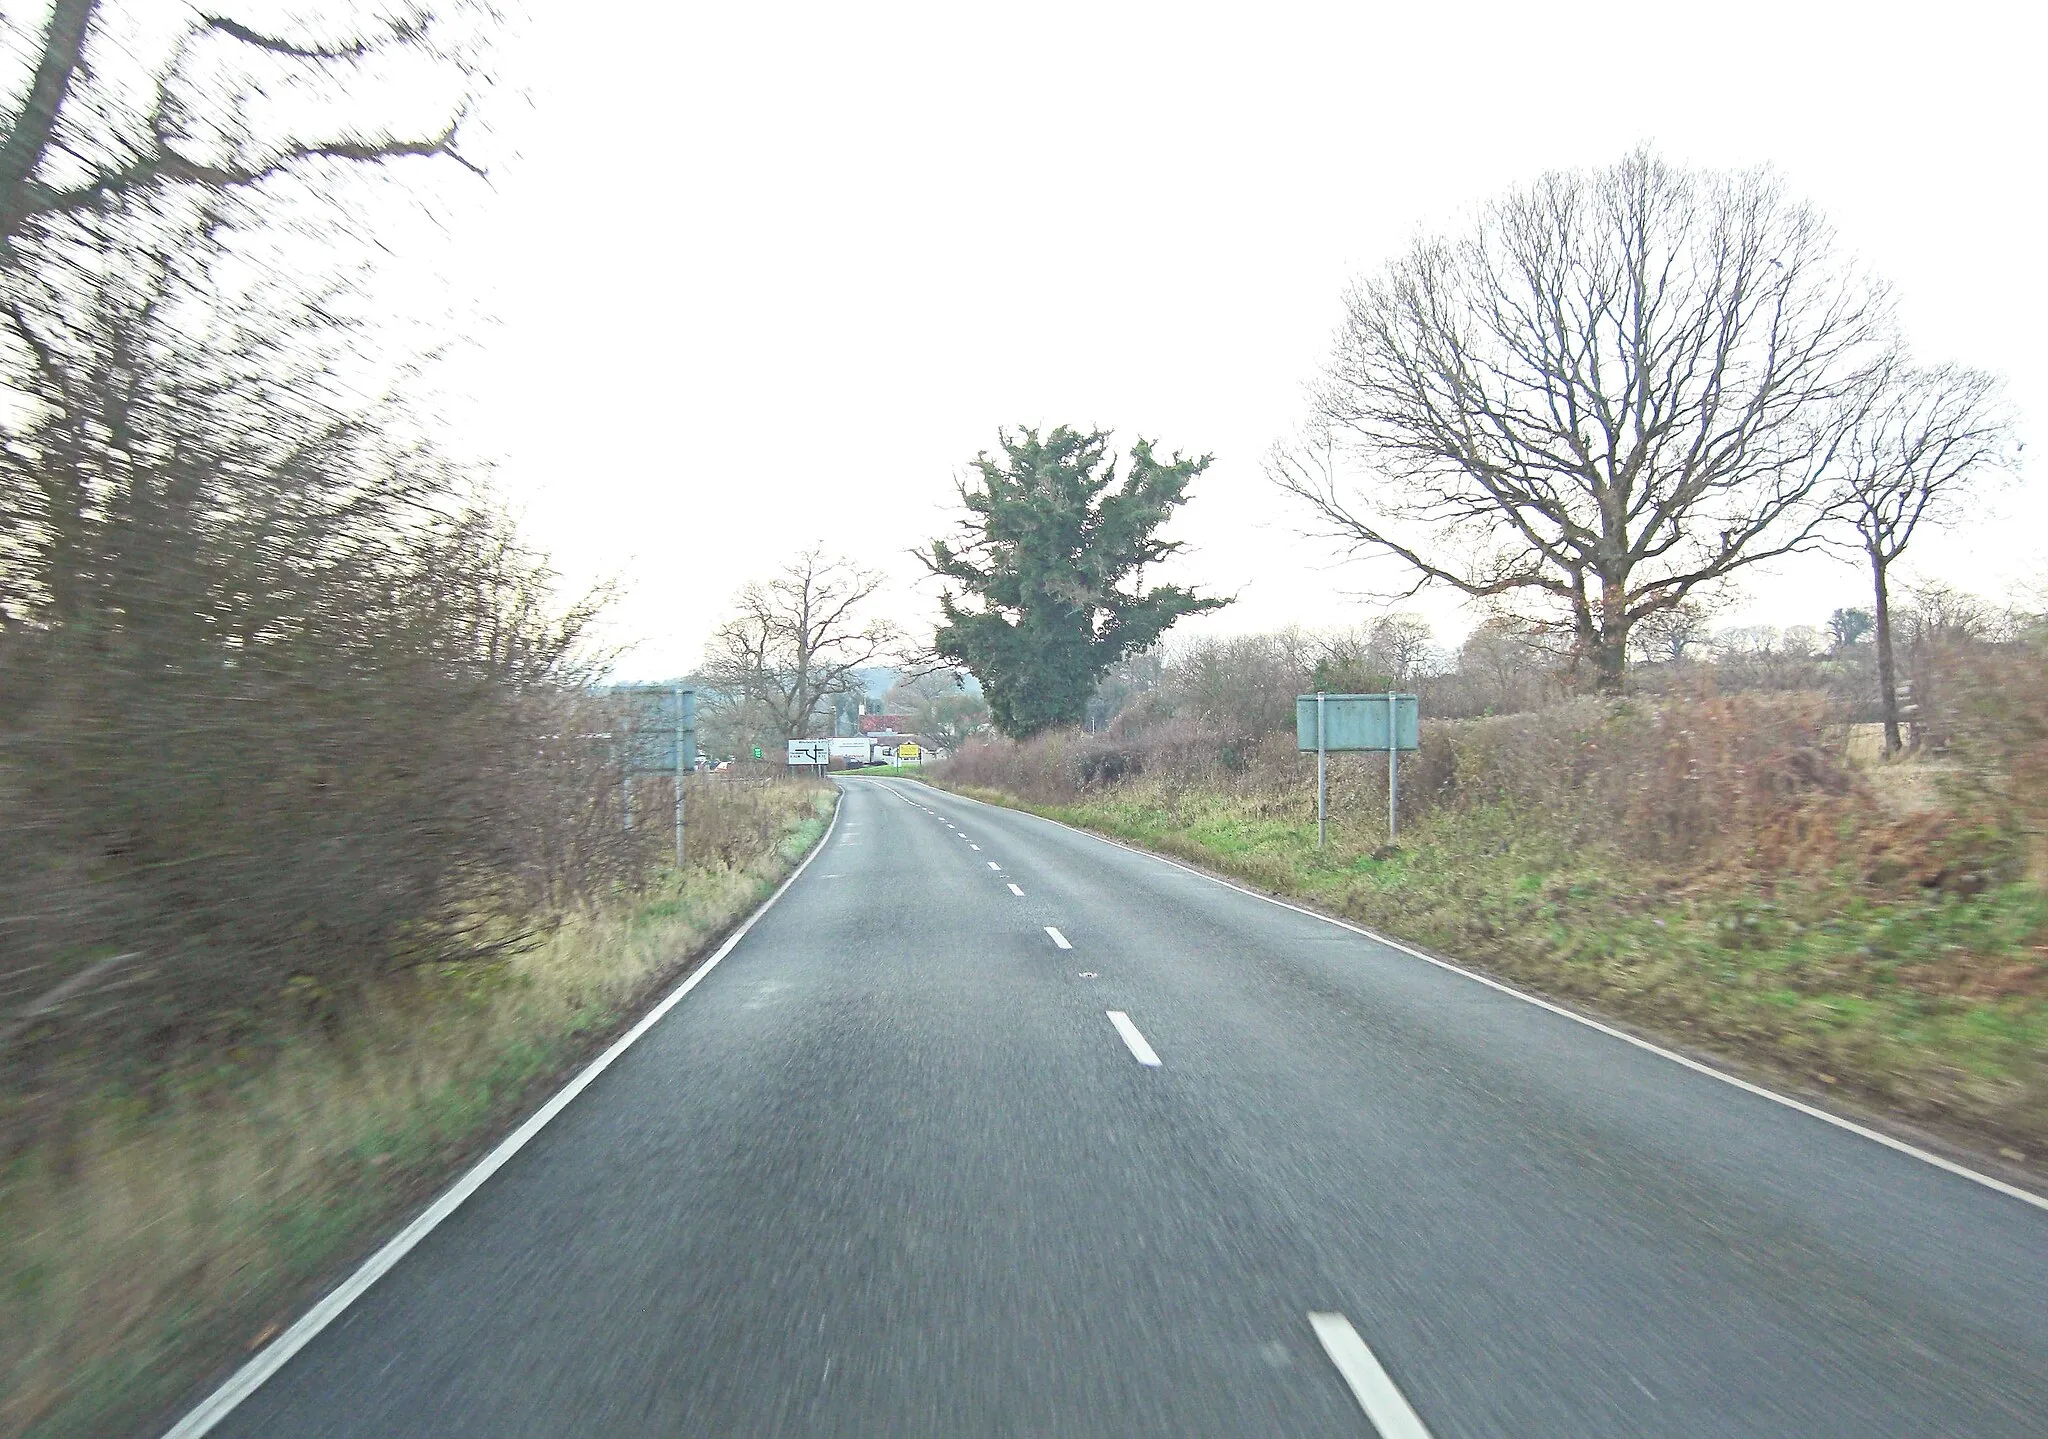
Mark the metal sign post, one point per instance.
(1322, 771)
(1326, 722)
(1393, 772)
(656, 733)
(686, 761)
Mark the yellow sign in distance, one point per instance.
(908, 751)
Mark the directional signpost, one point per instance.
(1325, 722)
(657, 734)
(810, 752)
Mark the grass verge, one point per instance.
(163, 1236)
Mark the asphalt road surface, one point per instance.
(992, 1128)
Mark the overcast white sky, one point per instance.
(764, 275)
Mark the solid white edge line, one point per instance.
(1376, 1394)
(1140, 1049)
(1862, 1131)
(1059, 939)
(1016, 891)
(273, 1357)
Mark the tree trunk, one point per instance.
(1610, 663)
(1610, 638)
(1887, 675)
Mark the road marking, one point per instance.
(1861, 1131)
(1135, 1042)
(1059, 939)
(273, 1356)
(1016, 891)
(993, 865)
(1370, 1386)
(974, 846)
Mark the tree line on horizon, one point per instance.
(1589, 413)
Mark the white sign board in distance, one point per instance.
(810, 751)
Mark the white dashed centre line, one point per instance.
(1016, 891)
(1375, 1392)
(1133, 1041)
(1058, 938)
(974, 846)
(993, 865)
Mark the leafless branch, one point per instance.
(1600, 398)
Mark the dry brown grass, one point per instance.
(1680, 781)
(148, 1233)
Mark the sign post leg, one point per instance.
(1322, 772)
(678, 778)
(1393, 771)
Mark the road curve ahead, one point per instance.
(993, 1128)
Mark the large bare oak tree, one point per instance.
(1603, 397)
(796, 642)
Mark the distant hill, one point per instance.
(877, 680)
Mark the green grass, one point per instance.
(1926, 1004)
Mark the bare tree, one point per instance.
(171, 199)
(1801, 642)
(1670, 635)
(1597, 402)
(1915, 441)
(89, 130)
(797, 641)
(281, 694)
(1404, 647)
(1245, 683)
(943, 710)
(1507, 663)
(1747, 644)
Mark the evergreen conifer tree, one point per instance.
(1049, 562)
